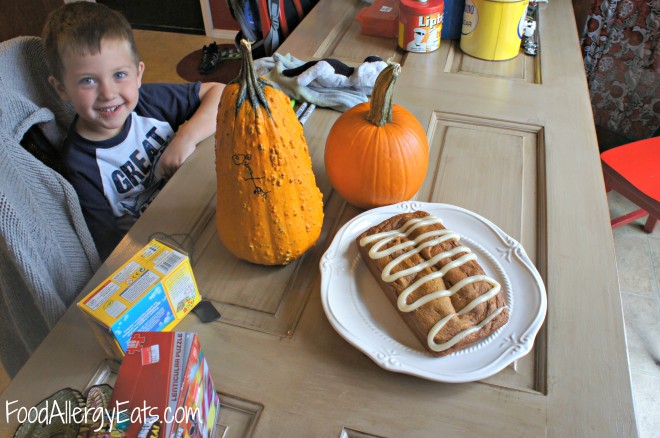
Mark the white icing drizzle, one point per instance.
(450, 343)
(382, 239)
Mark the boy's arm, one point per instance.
(200, 126)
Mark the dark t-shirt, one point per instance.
(114, 178)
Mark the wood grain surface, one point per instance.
(511, 140)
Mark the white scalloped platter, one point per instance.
(360, 312)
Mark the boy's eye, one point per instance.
(87, 81)
(121, 75)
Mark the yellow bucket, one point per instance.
(492, 30)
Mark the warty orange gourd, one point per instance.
(269, 209)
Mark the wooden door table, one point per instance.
(513, 141)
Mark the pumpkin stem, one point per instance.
(251, 86)
(380, 111)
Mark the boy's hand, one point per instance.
(179, 149)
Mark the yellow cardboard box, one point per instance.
(152, 291)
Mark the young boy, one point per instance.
(126, 139)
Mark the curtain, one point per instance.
(622, 61)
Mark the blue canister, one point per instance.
(453, 19)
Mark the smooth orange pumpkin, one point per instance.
(270, 210)
(377, 153)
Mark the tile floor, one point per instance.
(638, 263)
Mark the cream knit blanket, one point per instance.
(46, 251)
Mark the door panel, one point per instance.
(505, 141)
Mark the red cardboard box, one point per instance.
(164, 387)
(381, 18)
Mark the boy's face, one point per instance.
(103, 88)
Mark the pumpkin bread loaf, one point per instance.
(437, 285)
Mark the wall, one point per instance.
(162, 15)
(24, 17)
(222, 18)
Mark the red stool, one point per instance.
(633, 170)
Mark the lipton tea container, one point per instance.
(492, 29)
(420, 25)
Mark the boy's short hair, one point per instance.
(80, 26)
